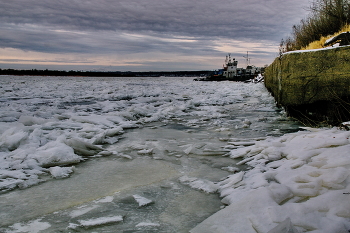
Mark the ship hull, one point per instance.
(218, 78)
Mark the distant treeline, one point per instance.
(35, 72)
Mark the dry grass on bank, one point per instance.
(319, 43)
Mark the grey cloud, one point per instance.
(102, 42)
(145, 26)
(240, 18)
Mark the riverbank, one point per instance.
(313, 86)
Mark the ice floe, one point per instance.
(147, 224)
(294, 181)
(298, 182)
(95, 222)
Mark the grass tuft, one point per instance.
(318, 44)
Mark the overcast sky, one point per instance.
(143, 35)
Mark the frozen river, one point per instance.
(123, 154)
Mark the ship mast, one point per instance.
(247, 58)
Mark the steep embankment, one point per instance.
(314, 85)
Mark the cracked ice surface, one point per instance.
(163, 139)
(61, 121)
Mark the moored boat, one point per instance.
(231, 72)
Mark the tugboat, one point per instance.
(230, 72)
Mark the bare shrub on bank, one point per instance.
(326, 18)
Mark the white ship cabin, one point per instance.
(253, 70)
(230, 67)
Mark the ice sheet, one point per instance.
(308, 183)
(49, 124)
(43, 118)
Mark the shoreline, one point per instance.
(313, 87)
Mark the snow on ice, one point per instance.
(100, 221)
(95, 222)
(297, 182)
(49, 121)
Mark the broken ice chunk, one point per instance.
(200, 184)
(148, 224)
(61, 172)
(83, 148)
(188, 149)
(145, 152)
(284, 227)
(142, 201)
(31, 120)
(280, 192)
(242, 143)
(12, 138)
(100, 221)
(55, 153)
(230, 169)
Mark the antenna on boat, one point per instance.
(247, 58)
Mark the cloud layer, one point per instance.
(106, 32)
